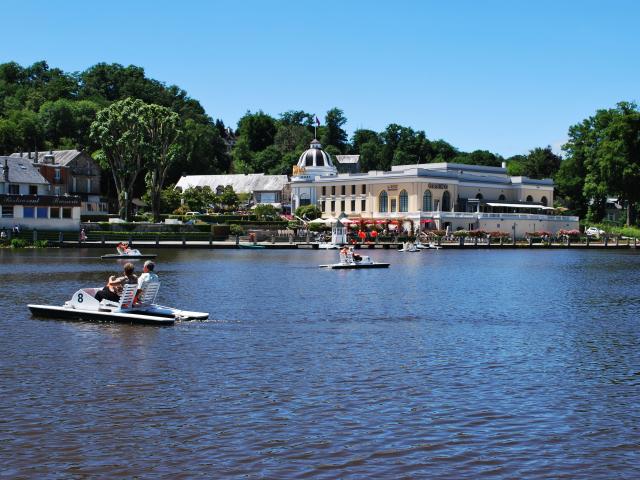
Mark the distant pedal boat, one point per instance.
(84, 306)
(348, 262)
(125, 252)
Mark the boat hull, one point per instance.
(129, 257)
(352, 266)
(64, 313)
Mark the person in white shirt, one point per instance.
(147, 277)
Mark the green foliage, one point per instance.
(538, 163)
(41, 243)
(332, 133)
(308, 212)
(236, 230)
(198, 199)
(18, 243)
(228, 199)
(266, 212)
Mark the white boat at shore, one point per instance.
(84, 306)
(328, 245)
(427, 246)
(409, 247)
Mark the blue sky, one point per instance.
(506, 76)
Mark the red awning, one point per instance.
(426, 220)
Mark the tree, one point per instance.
(265, 212)
(119, 129)
(333, 133)
(257, 129)
(160, 134)
(614, 168)
(199, 199)
(538, 163)
(308, 212)
(228, 198)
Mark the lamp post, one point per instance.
(126, 205)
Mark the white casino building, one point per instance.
(437, 195)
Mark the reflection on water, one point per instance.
(455, 364)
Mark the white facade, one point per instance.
(441, 195)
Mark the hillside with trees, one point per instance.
(46, 108)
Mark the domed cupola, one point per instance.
(316, 161)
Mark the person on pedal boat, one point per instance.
(113, 289)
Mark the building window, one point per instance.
(54, 212)
(14, 189)
(364, 189)
(33, 189)
(56, 175)
(342, 205)
(56, 190)
(529, 198)
(7, 212)
(404, 201)
(324, 191)
(446, 202)
(28, 212)
(43, 212)
(502, 198)
(544, 201)
(363, 205)
(353, 205)
(427, 204)
(394, 205)
(323, 206)
(343, 189)
(353, 189)
(333, 206)
(66, 213)
(333, 190)
(383, 202)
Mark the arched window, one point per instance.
(446, 201)
(427, 203)
(479, 196)
(544, 201)
(404, 201)
(383, 202)
(502, 198)
(529, 198)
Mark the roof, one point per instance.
(241, 183)
(21, 170)
(348, 158)
(61, 157)
(518, 205)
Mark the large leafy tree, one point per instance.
(333, 133)
(614, 166)
(538, 163)
(257, 129)
(119, 129)
(160, 140)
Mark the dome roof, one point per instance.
(315, 157)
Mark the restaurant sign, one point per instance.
(40, 200)
(438, 186)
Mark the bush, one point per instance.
(41, 243)
(18, 243)
(461, 233)
(236, 230)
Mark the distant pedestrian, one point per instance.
(83, 235)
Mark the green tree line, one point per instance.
(45, 108)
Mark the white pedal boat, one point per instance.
(348, 262)
(409, 247)
(428, 246)
(131, 253)
(84, 306)
(327, 245)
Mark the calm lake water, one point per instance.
(450, 364)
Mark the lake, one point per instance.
(449, 364)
